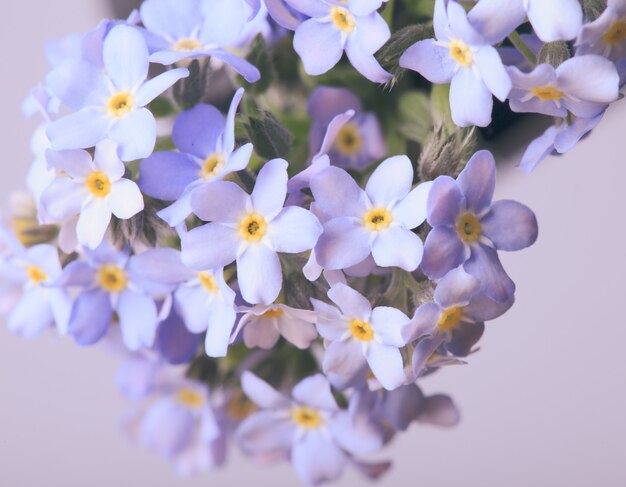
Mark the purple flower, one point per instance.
(358, 142)
(250, 229)
(360, 336)
(110, 104)
(606, 35)
(455, 318)
(337, 26)
(181, 418)
(306, 428)
(262, 325)
(184, 29)
(202, 299)
(553, 20)
(376, 221)
(462, 57)
(206, 143)
(554, 92)
(94, 189)
(27, 275)
(468, 229)
(557, 139)
(109, 281)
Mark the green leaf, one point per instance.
(416, 121)
(261, 56)
(389, 55)
(270, 138)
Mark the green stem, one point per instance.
(522, 47)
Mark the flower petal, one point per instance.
(91, 317)
(386, 364)
(210, 246)
(270, 190)
(135, 134)
(478, 181)
(157, 85)
(294, 230)
(93, 223)
(138, 320)
(313, 37)
(457, 288)
(352, 303)
(125, 199)
(343, 244)
(390, 182)
(510, 225)
(443, 251)
(398, 247)
(125, 57)
(411, 211)
(485, 265)
(337, 194)
(260, 274)
(221, 201)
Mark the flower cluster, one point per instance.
(280, 256)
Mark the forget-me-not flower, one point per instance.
(358, 142)
(456, 318)
(206, 153)
(376, 221)
(606, 35)
(94, 189)
(360, 335)
(335, 26)
(110, 104)
(469, 229)
(461, 56)
(568, 88)
(250, 229)
(184, 29)
(552, 20)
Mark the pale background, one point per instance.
(543, 403)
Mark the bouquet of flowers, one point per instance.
(280, 241)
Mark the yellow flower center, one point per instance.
(450, 318)
(272, 313)
(99, 184)
(112, 278)
(349, 141)
(616, 33)
(307, 417)
(461, 53)
(212, 165)
(208, 281)
(187, 45)
(239, 407)
(468, 227)
(343, 19)
(377, 219)
(361, 330)
(253, 227)
(36, 274)
(547, 93)
(190, 398)
(120, 104)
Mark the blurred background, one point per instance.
(543, 403)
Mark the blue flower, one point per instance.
(310, 428)
(108, 282)
(553, 20)
(184, 29)
(334, 27)
(377, 221)
(358, 142)
(202, 298)
(557, 139)
(94, 189)
(565, 89)
(262, 325)
(455, 318)
(606, 35)
(468, 229)
(110, 104)
(250, 229)
(35, 305)
(360, 336)
(206, 143)
(462, 57)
